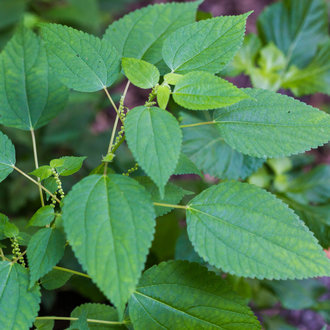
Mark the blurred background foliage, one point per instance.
(82, 129)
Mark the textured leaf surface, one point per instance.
(44, 324)
(30, 93)
(205, 146)
(19, 306)
(7, 156)
(246, 231)
(55, 279)
(140, 73)
(141, 34)
(98, 312)
(43, 216)
(173, 194)
(154, 137)
(182, 295)
(272, 125)
(82, 62)
(207, 45)
(304, 24)
(204, 91)
(109, 223)
(186, 166)
(163, 95)
(315, 78)
(44, 251)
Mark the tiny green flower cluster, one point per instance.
(131, 170)
(59, 187)
(16, 251)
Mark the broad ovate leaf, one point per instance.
(19, 305)
(154, 137)
(44, 251)
(7, 156)
(30, 93)
(140, 73)
(247, 231)
(141, 34)
(272, 125)
(204, 91)
(43, 216)
(205, 146)
(109, 222)
(82, 61)
(207, 45)
(304, 24)
(183, 295)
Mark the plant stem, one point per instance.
(36, 182)
(35, 155)
(21, 255)
(2, 255)
(111, 100)
(64, 318)
(172, 205)
(199, 124)
(114, 128)
(71, 271)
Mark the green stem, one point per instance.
(64, 318)
(35, 155)
(71, 271)
(199, 124)
(171, 205)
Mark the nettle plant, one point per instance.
(109, 219)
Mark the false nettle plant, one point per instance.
(108, 218)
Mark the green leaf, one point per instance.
(109, 222)
(30, 93)
(304, 24)
(98, 312)
(172, 78)
(186, 166)
(7, 156)
(82, 61)
(246, 231)
(55, 279)
(272, 125)
(315, 78)
(163, 95)
(19, 305)
(44, 216)
(154, 137)
(141, 34)
(204, 91)
(44, 324)
(44, 251)
(207, 45)
(43, 172)
(181, 295)
(140, 73)
(11, 12)
(7, 229)
(173, 194)
(205, 146)
(67, 165)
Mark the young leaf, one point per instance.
(186, 166)
(141, 34)
(44, 251)
(82, 61)
(19, 305)
(109, 223)
(204, 91)
(44, 324)
(180, 295)
(304, 24)
(55, 279)
(248, 232)
(140, 73)
(207, 45)
(154, 137)
(67, 165)
(30, 94)
(173, 194)
(272, 125)
(7, 156)
(163, 95)
(205, 146)
(42, 172)
(98, 312)
(7, 229)
(42, 217)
